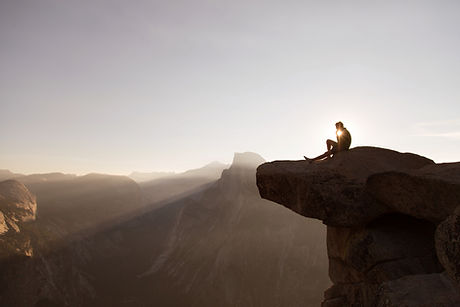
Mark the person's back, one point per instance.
(344, 140)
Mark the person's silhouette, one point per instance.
(343, 143)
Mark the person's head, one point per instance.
(339, 125)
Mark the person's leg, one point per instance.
(320, 157)
(330, 150)
(330, 144)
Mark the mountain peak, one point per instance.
(212, 170)
(247, 159)
(215, 164)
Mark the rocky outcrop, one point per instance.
(44, 263)
(384, 211)
(17, 206)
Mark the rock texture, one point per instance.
(41, 259)
(17, 206)
(384, 211)
(448, 244)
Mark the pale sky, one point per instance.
(118, 86)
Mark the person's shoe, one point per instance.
(308, 159)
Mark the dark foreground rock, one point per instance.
(448, 244)
(390, 217)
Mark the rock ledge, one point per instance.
(390, 217)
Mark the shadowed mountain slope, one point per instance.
(67, 210)
(220, 246)
(223, 246)
(72, 203)
(162, 190)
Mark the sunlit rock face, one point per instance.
(382, 209)
(41, 264)
(17, 206)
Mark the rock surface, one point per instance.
(334, 191)
(17, 206)
(419, 291)
(448, 244)
(431, 192)
(382, 209)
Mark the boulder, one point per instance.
(425, 290)
(334, 190)
(350, 294)
(389, 248)
(431, 192)
(448, 245)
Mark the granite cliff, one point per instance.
(393, 223)
(17, 207)
(44, 222)
(219, 246)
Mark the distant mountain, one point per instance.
(211, 170)
(47, 177)
(143, 176)
(166, 189)
(71, 203)
(218, 244)
(221, 246)
(6, 174)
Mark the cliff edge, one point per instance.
(392, 223)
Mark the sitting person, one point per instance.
(343, 143)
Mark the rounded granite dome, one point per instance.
(247, 159)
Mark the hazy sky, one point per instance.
(116, 86)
